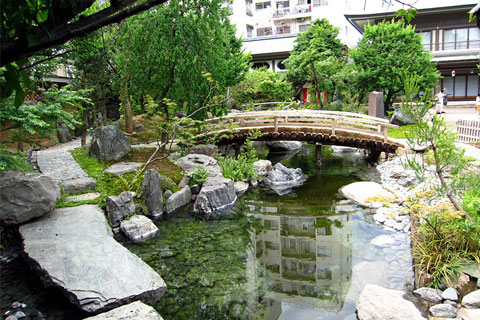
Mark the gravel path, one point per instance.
(58, 163)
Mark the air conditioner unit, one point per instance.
(300, 19)
(282, 23)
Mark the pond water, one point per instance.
(304, 255)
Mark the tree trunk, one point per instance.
(388, 101)
(83, 141)
(126, 101)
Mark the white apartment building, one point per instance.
(270, 27)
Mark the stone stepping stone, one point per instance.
(139, 228)
(133, 311)
(75, 250)
(83, 197)
(120, 168)
(79, 184)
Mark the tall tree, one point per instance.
(317, 58)
(185, 51)
(386, 55)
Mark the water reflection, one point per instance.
(308, 259)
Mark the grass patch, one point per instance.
(400, 132)
(111, 185)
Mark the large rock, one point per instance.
(134, 311)
(400, 118)
(63, 134)
(262, 167)
(139, 228)
(378, 303)
(428, 294)
(120, 206)
(109, 143)
(443, 310)
(190, 162)
(240, 187)
(178, 200)
(217, 193)
(282, 179)
(205, 149)
(368, 194)
(283, 145)
(78, 184)
(24, 196)
(152, 193)
(74, 251)
(120, 168)
(472, 300)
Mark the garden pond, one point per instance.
(304, 255)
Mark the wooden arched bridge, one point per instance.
(314, 126)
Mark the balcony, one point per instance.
(293, 12)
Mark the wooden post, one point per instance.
(275, 124)
(334, 124)
(318, 155)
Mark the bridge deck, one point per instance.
(326, 127)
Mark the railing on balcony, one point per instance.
(292, 11)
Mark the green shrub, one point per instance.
(13, 160)
(237, 170)
(199, 176)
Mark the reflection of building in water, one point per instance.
(308, 259)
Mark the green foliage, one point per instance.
(317, 59)
(471, 202)
(445, 242)
(13, 160)
(261, 85)
(237, 170)
(41, 119)
(185, 51)
(386, 55)
(401, 132)
(199, 176)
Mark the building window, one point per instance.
(283, 4)
(283, 30)
(248, 7)
(249, 31)
(461, 86)
(303, 27)
(263, 5)
(258, 65)
(261, 32)
(463, 38)
(320, 3)
(426, 40)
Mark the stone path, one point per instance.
(58, 164)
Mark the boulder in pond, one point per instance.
(443, 310)
(366, 193)
(205, 149)
(132, 311)
(139, 228)
(283, 145)
(429, 294)
(282, 179)
(152, 193)
(24, 196)
(190, 162)
(120, 206)
(109, 143)
(262, 167)
(240, 187)
(73, 249)
(378, 303)
(178, 199)
(217, 194)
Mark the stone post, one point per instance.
(375, 104)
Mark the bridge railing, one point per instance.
(329, 120)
